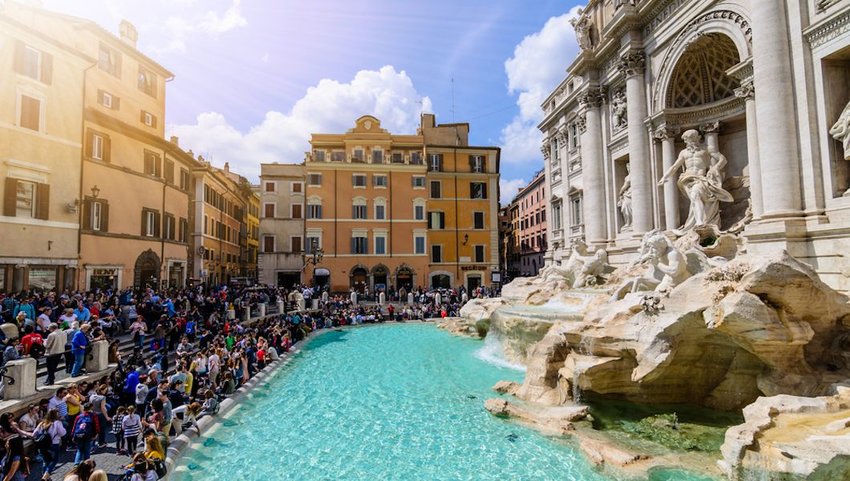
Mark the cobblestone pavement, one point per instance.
(106, 458)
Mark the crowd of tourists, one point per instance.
(190, 351)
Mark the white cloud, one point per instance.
(328, 107)
(213, 23)
(537, 66)
(177, 29)
(508, 189)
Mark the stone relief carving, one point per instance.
(619, 110)
(747, 90)
(544, 149)
(624, 201)
(592, 97)
(632, 63)
(622, 3)
(581, 123)
(701, 182)
(841, 131)
(583, 27)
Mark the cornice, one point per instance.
(829, 29)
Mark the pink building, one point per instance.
(528, 229)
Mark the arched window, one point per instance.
(358, 208)
(314, 207)
(418, 208)
(380, 208)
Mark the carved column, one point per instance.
(667, 136)
(778, 143)
(711, 132)
(592, 167)
(632, 67)
(747, 92)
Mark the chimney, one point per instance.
(227, 166)
(128, 32)
(175, 140)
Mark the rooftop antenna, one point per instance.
(453, 99)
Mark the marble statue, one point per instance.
(622, 3)
(701, 181)
(582, 26)
(841, 132)
(625, 201)
(619, 110)
(668, 266)
(592, 269)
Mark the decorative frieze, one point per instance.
(829, 30)
(666, 10)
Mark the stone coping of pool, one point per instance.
(178, 446)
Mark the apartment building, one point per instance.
(282, 203)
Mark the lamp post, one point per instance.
(315, 258)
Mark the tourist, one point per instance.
(75, 403)
(86, 429)
(118, 428)
(131, 425)
(9, 428)
(98, 475)
(51, 450)
(154, 451)
(98, 402)
(54, 349)
(14, 462)
(30, 419)
(82, 471)
(79, 342)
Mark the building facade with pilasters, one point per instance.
(764, 82)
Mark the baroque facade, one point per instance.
(763, 84)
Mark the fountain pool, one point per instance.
(394, 402)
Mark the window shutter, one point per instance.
(104, 216)
(116, 103)
(472, 163)
(484, 190)
(142, 116)
(153, 124)
(353, 246)
(144, 223)
(89, 143)
(46, 68)
(158, 162)
(157, 227)
(442, 220)
(87, 210)
(429, 220)
(42, 208)
(107, 149)
(10, 197)
(440, 162)
(20, 60)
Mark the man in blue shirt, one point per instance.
(78, 348)
(82, 312)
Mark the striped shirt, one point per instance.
(60, 405)
(132, 425)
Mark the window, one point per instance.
(556, 216)
(435, 162)
(436, 189)
(576, 210)
(185, 179)
(96, 215)
(418, 182)
(25, 199)
(359, 245)
(477, 220)
(268, 211)
(477, 163)
(314, 211)
(108, 100)
(30, 113)
(297, 187)
(314, 179)
(479, 253)
(419, 212)
(184, 230)
(153, 165)
(436, 254)
(296, 211)
(436, 220)
(150, 223)
(148, 119)
(377, 156)
(380, 212)
(206, 225)
(419, 245)
(169, 227)
(358, 181)
(33, 63)
(357, 155)
(573, 136)
(398, 158)
(313, 243)
(319, 155)
(268, 244)
(97, 146)
(295, 243)
(270, 187)
(478, 190)
(109, 60)
(416, 158)
(380, 245)
(337, 156)
(358, 211)
(379, 180)
(169, 171)
(147, 82)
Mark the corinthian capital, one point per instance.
(632, 63)
(544, 149)
(592, 97)
(747, 90)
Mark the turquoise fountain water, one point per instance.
(397, 402)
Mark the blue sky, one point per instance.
(253, 78)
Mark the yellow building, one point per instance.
(253, 231)
(366, 204)
(463, 206)
(41, 126)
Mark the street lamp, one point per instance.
(315, 258)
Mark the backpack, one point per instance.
(42, 437)
(37, 350)
(84, 428)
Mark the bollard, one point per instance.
(315, 304)
(98, 358)
(246, 314)
(262, 307)
(410, 298)
(280, 308)
(22, 372)
(301, 304)
(231, 314)
(382, 298)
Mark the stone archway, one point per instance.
(146, 269)
(359, 278)
(699, 77)
(380, 277)
(404, 277)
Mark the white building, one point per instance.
(763, 81)
(281, 261)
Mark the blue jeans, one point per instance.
(79, 359)
(83, 451)
(52, 458)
